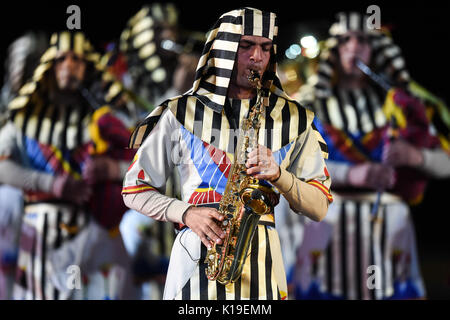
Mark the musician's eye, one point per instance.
(244, 46)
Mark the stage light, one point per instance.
(308, 42)
(310, 46)
(311, 53)
(293, 51)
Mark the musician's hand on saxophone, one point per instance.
(262, 165)
(203, 221)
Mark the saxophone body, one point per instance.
(243, 203)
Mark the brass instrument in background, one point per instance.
(243, 203)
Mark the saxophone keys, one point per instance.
(231, 208)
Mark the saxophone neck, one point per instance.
(255, 79)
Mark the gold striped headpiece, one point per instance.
(138, 38)
(217, 61)
(387, 58)
(59, 42)
(350, 21)
(70, 41)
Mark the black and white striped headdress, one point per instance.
(59, 42)
(350, 21)
(386, 57)
(217, 61)
(205, 102)
(39, 118)
(137, 40)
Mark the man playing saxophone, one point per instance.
(197, 134)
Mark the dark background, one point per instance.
(420, 28)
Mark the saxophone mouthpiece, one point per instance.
(254, 77)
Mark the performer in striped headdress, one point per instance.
(196, 133)
(147, 43)
(335, 258)
(159, 61)
(66, 152)
(23, 57)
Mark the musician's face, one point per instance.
(253, 54)
(353, 45)
(69, 71)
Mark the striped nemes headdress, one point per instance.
(59, 43)
(219, 54)
(70, 41)
(138, 39)
(350, 21)
(386, 57)
(78, 43)
(45, 121)
(204, 103)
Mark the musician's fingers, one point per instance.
(264, 163)
(253, 153)
(264, 176)
(213, 213)
(217, 230)
(213, 234)
(251, 161)
(254, 170)
(259, 150)
(205, 241)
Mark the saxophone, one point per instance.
(243, 203)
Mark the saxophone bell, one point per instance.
(257, 200)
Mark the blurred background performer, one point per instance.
(148, 47)
(23, 57)
(354, 115)
(52, 147)
(156, 59)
